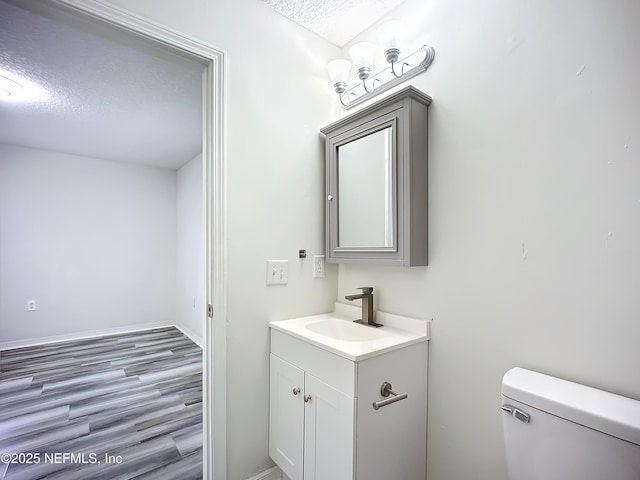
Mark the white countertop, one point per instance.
(351, 342)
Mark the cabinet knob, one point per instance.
(307, 398)
(296, 391)
(329, 197)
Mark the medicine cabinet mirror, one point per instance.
(376, 183)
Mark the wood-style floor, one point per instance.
(116, 407)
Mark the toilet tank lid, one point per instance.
(603, 411)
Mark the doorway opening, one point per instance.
(213, 307)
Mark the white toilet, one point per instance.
(560, 430)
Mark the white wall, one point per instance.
(534, 206)
(190, 251)
(92, 241)
(278, 97)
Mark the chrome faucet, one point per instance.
(367, 306)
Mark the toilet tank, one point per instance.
(559, 430)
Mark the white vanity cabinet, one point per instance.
(322, 422)
(311, 434)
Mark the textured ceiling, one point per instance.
(102, 93)
(338, 21)
(99, 92)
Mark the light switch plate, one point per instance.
(277, 272)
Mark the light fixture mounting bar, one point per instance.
(405, 68)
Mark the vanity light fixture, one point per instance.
(390, 37)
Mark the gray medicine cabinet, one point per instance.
(376, 183)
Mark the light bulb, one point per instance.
(362, 56)
(339, 73)
(390, 36)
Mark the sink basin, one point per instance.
(336, 332)
(344, 330)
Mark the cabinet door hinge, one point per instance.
(209, 310)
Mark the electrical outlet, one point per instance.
(318, 266)
(31, 305)
(277, 272)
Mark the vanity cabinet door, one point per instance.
(286, 415)
(329, 427)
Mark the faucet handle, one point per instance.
(366, 290)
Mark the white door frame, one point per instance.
(213, 155)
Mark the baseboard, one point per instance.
(274, 473)
(80, 335)
(192, 336)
